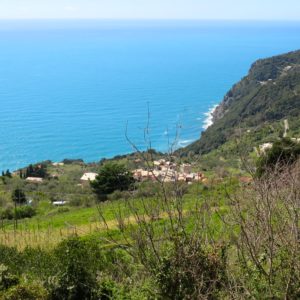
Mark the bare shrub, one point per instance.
(174, 242)
(265, 234)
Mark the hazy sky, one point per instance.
(152, 9)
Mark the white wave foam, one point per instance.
(182, 143)
(209, 117)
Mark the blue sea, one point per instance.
(69, 89)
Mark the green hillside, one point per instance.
(268, 94)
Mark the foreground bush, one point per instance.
(7, 280)
(283, 153)
(26, 291)
(190, 273)
(75, 279)
(267, 260)
(230, 243)
(18, 213)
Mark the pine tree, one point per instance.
(18, 196)
(8, 174)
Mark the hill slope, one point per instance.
(269, 93)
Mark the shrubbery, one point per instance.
(7, 280)
(221, 241)
(26, 291)
(187, 272)
(17, 213)
(75, 279)
(283, 153)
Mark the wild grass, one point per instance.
(52, 225)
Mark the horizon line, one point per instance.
(147, 19)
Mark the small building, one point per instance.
(198, 177)
(34, 179)
(186, 168)
(181, 177)
(59, 203)
(58, 164)
(190, 178)
(156, 163)
(141, 174)
(87, 177)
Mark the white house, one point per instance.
(87, 177)
(59, 203)
(34, 179)
(58, 164)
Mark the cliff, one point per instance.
(269, 93)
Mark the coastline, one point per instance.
(209, 117)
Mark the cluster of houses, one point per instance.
(162, 170)
(167, 171)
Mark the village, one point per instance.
(167, 171)
(162, 170)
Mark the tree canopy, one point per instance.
(284, 152)
(18, 196)
(112, 176)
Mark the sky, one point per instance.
(151, 9)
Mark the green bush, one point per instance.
(22, 212)
(7, 214)
(148, 189)
(18, 196)
(37, 262)
(7, 280)
(75, 279)
(26, 291)
(62, 210)
(283, 153)
(117, 195)
(25, 212)
(190, 273)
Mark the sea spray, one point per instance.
(209, 117)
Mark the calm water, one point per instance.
(68, 89)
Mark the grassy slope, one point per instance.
(51, 226)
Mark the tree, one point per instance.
(283, 153)
(112, 177)
(38, 170)
(8, 174)
(18, 196)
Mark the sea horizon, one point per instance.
(70, 87)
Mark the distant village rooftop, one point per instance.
(89, 177)
(35, 179)
(58, 164)
(167, 172)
